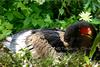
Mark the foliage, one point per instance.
(5, 59)
(95, 44)
(16, 15)
(32, 14)
(5, 28)
(24, 59)
(92, 5)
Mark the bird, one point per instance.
(48, 42)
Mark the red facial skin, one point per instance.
(86, 34)
(86, 31)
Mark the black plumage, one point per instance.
(78, 39)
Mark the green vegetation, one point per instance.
(16, 15)
(24, 59)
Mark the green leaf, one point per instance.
(26, 1)
(9, 16)
(18, 15)
(21, 5)
(6, 32)
(1, 28)
(34, 22)
(41, 23)
(95, 21)
(61, 11)
(87, 4)
(26, 12)
(26, 22)
(35, 9)
(48, 19)
(7, 25)
(86, 58)
(2, 36)
(95, 43)
(93, 6)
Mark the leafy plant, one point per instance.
(16, 15)
(5, 28)
(95, 45)
(24, 58)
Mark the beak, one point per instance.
(89, 31)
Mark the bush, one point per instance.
(16, 15)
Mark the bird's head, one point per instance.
(80, 34)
